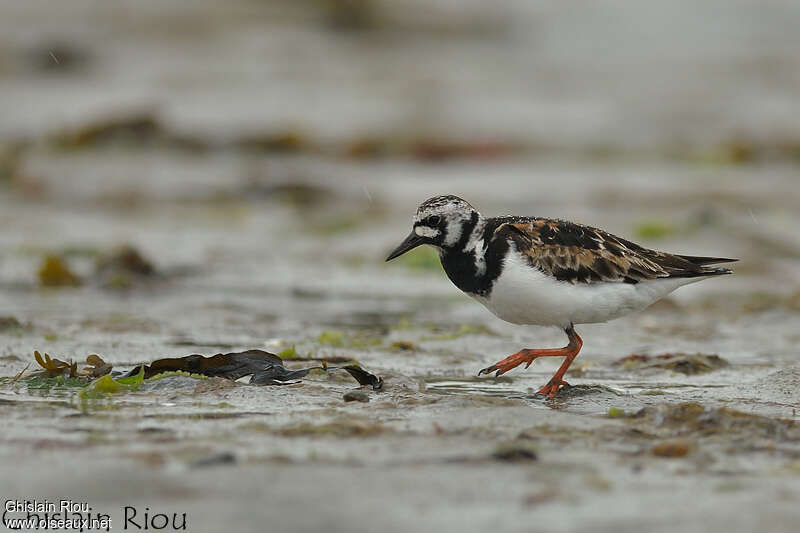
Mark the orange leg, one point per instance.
(570, 351)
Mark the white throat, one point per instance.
(476, 244)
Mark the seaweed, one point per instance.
(332, 338)
(9, 322)
(403, 346)
(616, 412)
(46, 384)
(109, 385)
(292, 353)
(689, 364)
(287, 141)
(518, 451)
(122, 267)
(54, 272)
(134, 129)
(695, 420)
(671, 448)
(264, 368)
(96, 366)
(55, 367)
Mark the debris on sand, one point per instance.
(616, 412)
(343, 428)
(689, 364)
(264, 368)
(132, 129)
(10, 323)
(217, 459)
(671, 448)
(403, 346)
(96, 367)
(517, 451)
(287, 141)
(55, 367)
(120, 268)
(355, 396)
(55, 272)
(110, 385)
(693, 419)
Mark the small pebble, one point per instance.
(356, 396)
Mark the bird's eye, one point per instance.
(434, 220)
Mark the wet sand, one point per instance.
(266, 186)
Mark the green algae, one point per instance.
(55, 272)
(332, 338)
(107, 385)
(292, 353)
(162, 375)
(46, 385)
(615, 412)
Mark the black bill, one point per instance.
(411, 242)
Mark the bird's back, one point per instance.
(583, 254)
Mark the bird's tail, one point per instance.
(701, 261)
(699, 268)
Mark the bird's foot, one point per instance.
(512, 361)
(552, 387)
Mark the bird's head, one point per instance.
(440, 221)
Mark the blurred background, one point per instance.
(200, 176)
(250, 159)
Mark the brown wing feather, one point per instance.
(583, 254)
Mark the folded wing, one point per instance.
(582, 254)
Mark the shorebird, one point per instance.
(548, 272)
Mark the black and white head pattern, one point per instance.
(444, 219)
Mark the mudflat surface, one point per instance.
(265, 157)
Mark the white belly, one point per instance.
(524, 295)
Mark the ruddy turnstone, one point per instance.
(548, 272)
